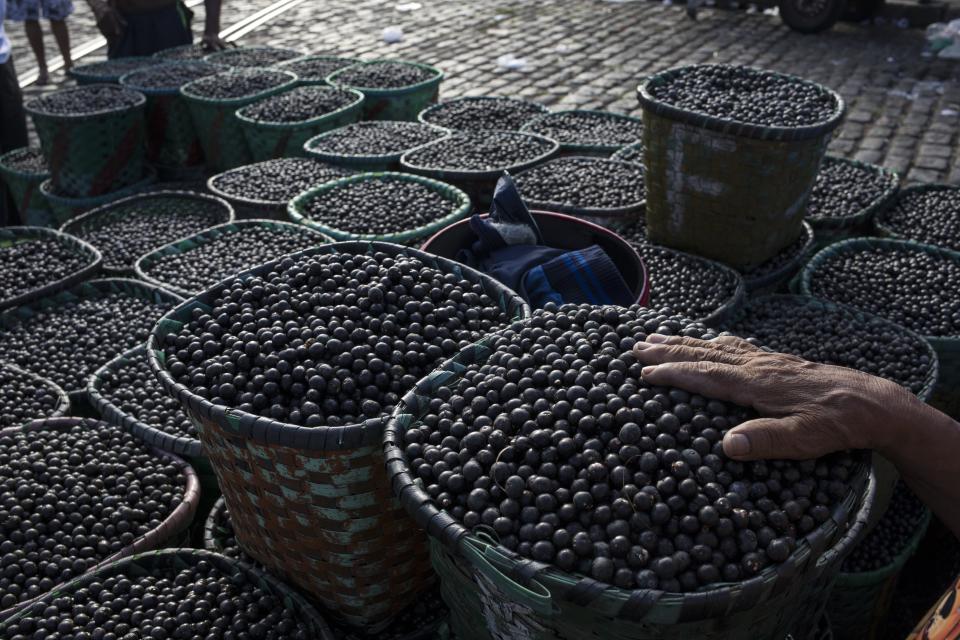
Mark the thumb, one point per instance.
(772, 438)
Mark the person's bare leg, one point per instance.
(35, 38)
(62, 35)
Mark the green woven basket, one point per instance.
(723, 189)
(62, 407)
(110, 71)
(947, 347)
(145, 564)
(172, 141)
(92, 154)
(232, 57)
(305, 78)
(64, 208)
(25, 189)
(268, 140)
(14, 235)
(831, 229)
(462, 207)
(433, 115)
(403, 103)
(859, 602)
(540, 127)
(182, 52)
(313, 504)
(519, 598)
(367, 162)
(177, 521)
(886, 229)
(221, 137)
(146, 262)
(762, 281)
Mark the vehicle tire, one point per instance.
(811, 16)
(860, 10)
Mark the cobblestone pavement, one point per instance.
(903, 108)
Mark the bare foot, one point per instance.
(43, 77)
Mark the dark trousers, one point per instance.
(13, 132)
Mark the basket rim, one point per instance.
(797, 262)
(437, 78)
(462, 205)
(581, 146)
(307, 57)
(933, 372)
(277, 588)
(562, 207)
(453, 536)
(141, 101)
(267, 430)
(869, 242)
(879, 204)
(179, 47)
(82, 247)
(442, 173)
(131, 189)
(82, 72)
(291, 79)
(732, 127)
(6, 169)
(247, 121)
(176, 521)
(109, 412)
(210, 526)
(213, 55)
(386, 157)
(848, 578)
(270, 205)
(147, 260)
(426, 112)
(126, 80)
(881, 222)
(619, 153)
(63, 400)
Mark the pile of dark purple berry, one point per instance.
(169, 77)
(88, 100)
(135, 391)
(789, 259)
(70, 497)
(686, 284)
(68, 342)
(471, 114)
(748, 95)
(297, 105)
(275, 181)
(113, 69)
(928, 214)
(584, 183)
(207, 263)
(481, 151)
(24, 397)
(630, 153)
(253, 57)
(383, 74)
(889, 538)
(588, 128)
(195, 601)
(375, 138)
(805, 328)
(844, 188)
(315, 68)
(236, 84)
(35, 263)
(328, 339)
(26, 160)
(558, 446)
(183, 52)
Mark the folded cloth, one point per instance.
(587, 275)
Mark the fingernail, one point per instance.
(640, 346)
(736, 444)
(647, 371)
(656, 338)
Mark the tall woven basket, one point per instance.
(25, 188)
(92, 154)
(64, 208)
(515, 597)
(314, 505)
(723, 189)
(403, 103)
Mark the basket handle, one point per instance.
(484, 557)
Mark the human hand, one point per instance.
(212, 42)
(806, 409)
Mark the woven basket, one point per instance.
(883, 225)
(313, 504)
(63, 400)
(172, 141)
(305, 80)
(225, 57)
(215, 121)
(110, 71)
(138, 204)
(87, 289)
(759, 284)
(145, 564)
(630, 153)
(176, 521)
(147, 261)
(859, 602)
(92, 154)
(64, 208)
(268, 140)
(947, 347)
(479, 185)
(297, 212)
(373, 162)
(726, 190)
(14, 235)
(571, 148)
(25, 189)
(520, 598)
(403, 103)
(182, 52)
(831, 229)
(429, 115)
